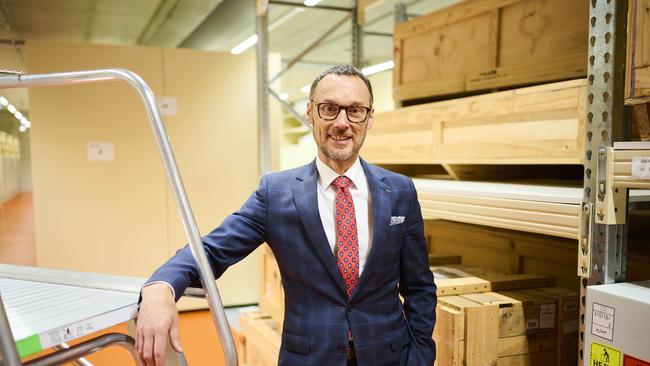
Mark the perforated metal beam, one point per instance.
(603, 248)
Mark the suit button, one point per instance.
(341, 348)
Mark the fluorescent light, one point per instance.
(18, 115)
(4, 101)
(305, 89)
(284, 96)
(388, 65)
(246, 44)
(22, 128)
(311, 2)
(11, 108)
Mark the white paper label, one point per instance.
(532, 323)
(101, 151)
(167, 105)
(547, 316)
(640, 167)
(602, 321)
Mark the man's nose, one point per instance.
(341, 120)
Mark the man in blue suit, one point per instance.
(348, 238)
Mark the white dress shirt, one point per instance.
(362, 205)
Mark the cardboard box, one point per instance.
(617, 324)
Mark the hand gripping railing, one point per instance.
(175, 182)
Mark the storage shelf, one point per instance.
(542, 209)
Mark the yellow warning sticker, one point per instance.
(601, 355)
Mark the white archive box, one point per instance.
(617, 325)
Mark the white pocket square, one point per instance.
(396, 220)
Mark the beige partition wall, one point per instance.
(116, 215)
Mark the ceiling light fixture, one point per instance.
(4, 101)
(384, 66)
(11, 108)
(246, 44)
(284, 96)
(311, 2)
(305, 89)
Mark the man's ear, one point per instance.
(371, 118)
(309, 114)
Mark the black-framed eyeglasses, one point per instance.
(330, 111)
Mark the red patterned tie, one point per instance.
(347, 241)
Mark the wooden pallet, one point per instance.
(535, 125)
(487, 44)
(458, 279)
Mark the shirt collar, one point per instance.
(326, 175)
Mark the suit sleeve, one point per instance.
(417, 286)
(237, 236)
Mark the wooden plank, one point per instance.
(271, 289)
(480, 329)
(642, 119)
(637, 60)
(530, 359)
(449, 335)
(538, 125)
(483, 44)
(454, 280)
(520, 345)
(529, 313)
(438, 259)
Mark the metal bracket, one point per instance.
(584, 243)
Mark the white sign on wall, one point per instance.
(101, 151)
(166, 105)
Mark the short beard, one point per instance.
(338, 155)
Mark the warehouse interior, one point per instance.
(523, 124)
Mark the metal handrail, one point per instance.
(169, 162)
(8, 352)
(86, 348)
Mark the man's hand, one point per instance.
(157, 322)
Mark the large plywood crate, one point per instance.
(486, 44)
(534, 125)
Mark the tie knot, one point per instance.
(341, 182)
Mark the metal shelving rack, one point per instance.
(263, 82)
(602, 245)
(602, 249)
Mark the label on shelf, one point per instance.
(641, 167)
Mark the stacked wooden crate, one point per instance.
(521, 327)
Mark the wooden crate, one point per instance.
(637, 68)
(486, 44)
(262, 338)
(567, 323)
(271, 290)
(534, 125)
(506, 251)
(490, 328)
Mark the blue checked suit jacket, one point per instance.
(283, 212)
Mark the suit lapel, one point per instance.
(305, 196)
(380, 195)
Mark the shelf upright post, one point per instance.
(263, 119)
(602, 249)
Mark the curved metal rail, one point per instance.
(86, 348)
(169, 162)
